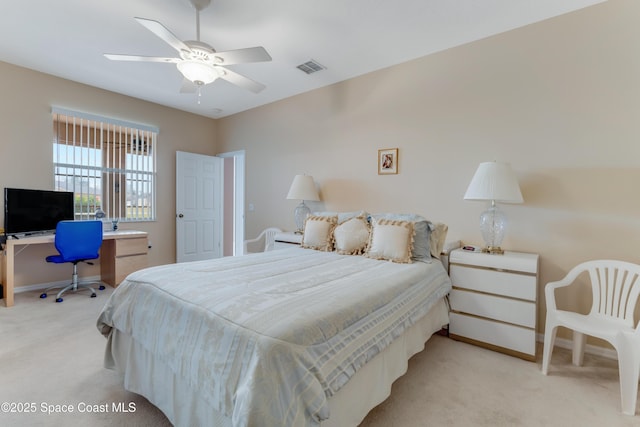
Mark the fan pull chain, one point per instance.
(199, 93)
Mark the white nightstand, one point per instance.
(287, 239)
(494, 301)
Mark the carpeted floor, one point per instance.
(51, 362)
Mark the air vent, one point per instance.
(311, 67)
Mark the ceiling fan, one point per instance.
(199, 63)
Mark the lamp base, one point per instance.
(300, 214)
(493, 224)
(494, 250)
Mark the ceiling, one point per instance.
(66, 38)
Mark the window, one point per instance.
(109, 165)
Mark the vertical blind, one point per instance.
(109, 165)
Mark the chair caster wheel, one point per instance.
(58, 299)
(101, 287)
(93, 295)
(43, 295)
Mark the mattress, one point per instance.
(266, 339)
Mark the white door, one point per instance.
(199, 183)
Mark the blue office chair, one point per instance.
(77, 241)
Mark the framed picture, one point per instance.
(388, 161)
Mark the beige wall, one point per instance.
(559, 100)
(25, 149)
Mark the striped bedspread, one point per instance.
(265, 338)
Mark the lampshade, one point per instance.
(495, 182)
(197, 72)
(302, 188)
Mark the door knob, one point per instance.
(180, 216)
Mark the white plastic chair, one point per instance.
(268, 235)
(615, 286)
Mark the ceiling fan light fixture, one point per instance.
(197, 72)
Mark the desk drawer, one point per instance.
(119, 258)
(135, 246)
(127, 265)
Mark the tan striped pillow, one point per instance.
(391, 240)
(318, 232)
(351, 237)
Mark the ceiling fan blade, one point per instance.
(237, 56)
(188, 86)
(242, 81)
(118, 57)
(161, 31)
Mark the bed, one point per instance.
(293, 337)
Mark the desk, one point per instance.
(122, 252)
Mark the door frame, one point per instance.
(239, 158)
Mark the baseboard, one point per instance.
(591, 349)
(39, 286)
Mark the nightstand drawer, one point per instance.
(503, 335)
(507, 310)
(515, 285)
(287, 239)
(511, 261)
(284, 245)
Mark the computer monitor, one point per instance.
(35, 211)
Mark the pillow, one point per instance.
(318, 232)
(342, 216)
(437, 238)
(421, 249)
(351, 237)
(391, 240)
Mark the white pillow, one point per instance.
(391, 240)
(420, 250)
(318, 232)
(351, 237)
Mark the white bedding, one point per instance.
(268, 345)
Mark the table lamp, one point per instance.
(302, 188)
(495, 182)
